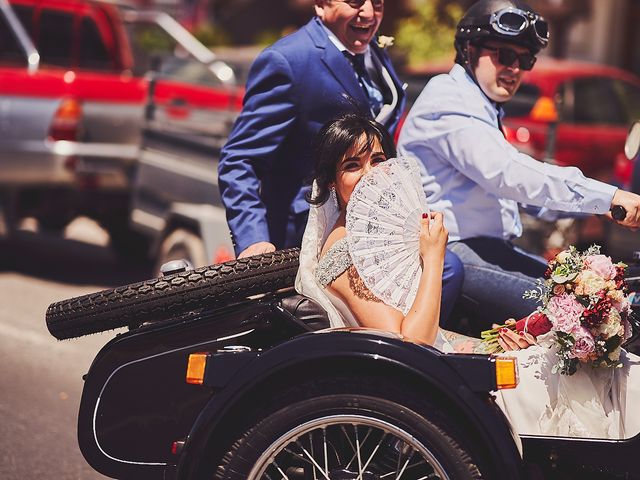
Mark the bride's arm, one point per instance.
(421, 322)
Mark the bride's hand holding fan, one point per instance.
(433, 238)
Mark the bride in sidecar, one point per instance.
(351, 280)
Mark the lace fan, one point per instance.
(383, 228)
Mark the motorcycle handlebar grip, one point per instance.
(618, 212)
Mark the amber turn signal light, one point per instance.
(544, 110)
(506, 372)
(196, 367)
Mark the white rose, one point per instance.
(611, 326)
(615, 355)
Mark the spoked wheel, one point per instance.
(348, 447)
(350, 428)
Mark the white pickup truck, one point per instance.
(81, 110)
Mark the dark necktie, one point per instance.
(373, 93)
(499, 112)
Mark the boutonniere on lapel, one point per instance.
(385, 41)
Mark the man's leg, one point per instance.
(452, 279)
(496, 275)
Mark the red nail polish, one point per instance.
(425, 215)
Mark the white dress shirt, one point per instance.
(473, 175)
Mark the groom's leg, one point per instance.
(452, 278)
(496, 275)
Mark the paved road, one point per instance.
(40, 377)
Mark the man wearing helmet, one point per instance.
(476, 177)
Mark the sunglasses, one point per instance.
(507, 57)
(377, 4)
(513, 21)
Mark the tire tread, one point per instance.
(164, 297)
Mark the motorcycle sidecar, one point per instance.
(227, 373)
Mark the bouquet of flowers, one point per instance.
(584, 304)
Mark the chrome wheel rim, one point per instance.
(345, 447)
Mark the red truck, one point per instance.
(80, 106)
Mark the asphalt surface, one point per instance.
(41, 377)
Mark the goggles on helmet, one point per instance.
(513, 21)
(507, 57)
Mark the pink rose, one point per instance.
(584, 345)
(602, 265)
(564, 311)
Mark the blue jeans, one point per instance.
(452, 280)
(496, 275)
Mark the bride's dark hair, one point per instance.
(333, 142)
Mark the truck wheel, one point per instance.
(368, 433)
(182, 244)
(166, 297)
(53, 224)
(129, 245)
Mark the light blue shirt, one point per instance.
(472, 174)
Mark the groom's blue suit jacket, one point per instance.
(295, 86)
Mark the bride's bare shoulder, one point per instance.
(336, 234)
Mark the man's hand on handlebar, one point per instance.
(257, 249)
(630, 216)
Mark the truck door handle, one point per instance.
(178, 102)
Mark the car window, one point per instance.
(93, 51)
(25, 15)
(10, 50)
(187, 70)
(154, 49)
(523, 101)
(55, 40)
(150, 44)
(595, 102)
(629, 96)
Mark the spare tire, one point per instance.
(172, 295)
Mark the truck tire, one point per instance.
(182, 244)
(315, 435)
(166, 297)
(129, 245)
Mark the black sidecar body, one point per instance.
(227, 373)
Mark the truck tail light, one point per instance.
(222, 254)
(196, 367)
(176, 447)
(66, 121)
(544, 110)
(506, 372)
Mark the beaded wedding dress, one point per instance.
(596, 403)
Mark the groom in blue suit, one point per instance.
(329, 67)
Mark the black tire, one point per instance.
(128, 244)
(53, 224)
(305, 418)
(166, 297)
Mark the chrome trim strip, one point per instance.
(104, 150)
